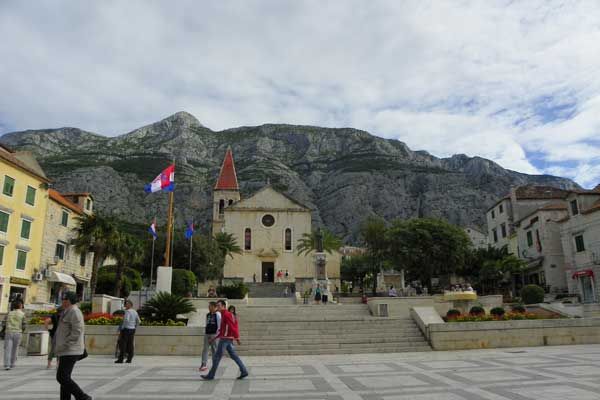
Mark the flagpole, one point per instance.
(152, 262)
(169, 231)
(191, 245)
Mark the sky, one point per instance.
(517, 82)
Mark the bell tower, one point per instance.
(225, 193)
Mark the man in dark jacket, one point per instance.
(213, 323)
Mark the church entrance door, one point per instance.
(268, 272)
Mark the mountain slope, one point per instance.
(343, 174)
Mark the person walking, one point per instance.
(213, 323)
(52, 320)
(70, 347)
(131, 320)
(14, 325)
(228, 332)
(318, 294)
(325, 296)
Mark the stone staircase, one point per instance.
(317, 329)
(268, 289)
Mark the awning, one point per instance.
(584, 272)
(62, 278)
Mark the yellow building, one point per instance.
(23, 203)
(267, 226)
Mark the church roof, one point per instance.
(227, 177)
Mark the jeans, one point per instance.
(68, 386)
(126, 344)
(226, 344)
(11, 349)
(212, 346)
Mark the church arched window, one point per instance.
(248, 239)
(230, 202)
(221, 206)
(288, 239)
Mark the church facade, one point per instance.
(267, 227)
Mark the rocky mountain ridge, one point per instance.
(344, 174)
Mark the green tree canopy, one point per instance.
(107, 276)
(308, 242)
(374, 234)
(128, 251)
(183, 282)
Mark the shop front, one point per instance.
(586, 284)
(60, 283)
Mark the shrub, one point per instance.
(497, 312)
(169, 322)
(166, 306)
(476, 311)
(519, 309)
(44, 313)
(85, 307)
(452, 314)
(532, 294)
(118, 313)
(236, 291)
(183, 282)
(37, 321)
(107, 276)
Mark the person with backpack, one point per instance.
(14, 327)
(228, 332)
(213, 323)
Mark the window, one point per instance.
(21, 260)
(30, 196)
(493, 214)
(1, 255)
(501, 209)
(574, 207)
(9, 185)
(82, 259)
(538, 240)
(88, 204)
(230, 202)
(60, 250)
(495, 233)
(529, 239)
(503, 228)
(288, 239)
(4, 221)
(221, 206)
(64, 220)
(579, 243)
(534, 220)
(25, 229)
(268, 220)
(248, 239)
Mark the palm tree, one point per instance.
(308, 242)
(95, 234)
(227, 245)
(127, 250)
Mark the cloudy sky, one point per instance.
(514, 81)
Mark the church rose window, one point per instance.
(268, 220)
(248, 239)
(288, 239)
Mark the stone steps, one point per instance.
(268, 289)
(342, 350)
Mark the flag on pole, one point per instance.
(189, 230)
(152, 229)
(165, 181)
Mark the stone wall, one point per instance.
(149, 340)
(401, 306)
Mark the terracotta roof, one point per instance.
(78, 194)
(56, 196)
(540, 192)
(227, 177)
(8, 155)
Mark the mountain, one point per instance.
(344, 174)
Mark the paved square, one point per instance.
(550, 373)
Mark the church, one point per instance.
(267, 227)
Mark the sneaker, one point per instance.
(242, 376)
(119, 362)
(203, 368)
(206, 377)
(7, 368)
(128, 361)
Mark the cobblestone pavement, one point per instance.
(550, 373)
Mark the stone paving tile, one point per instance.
(549, 373)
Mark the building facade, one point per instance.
(62, 268)
(267, 226)
(580, 233)
(478, 238)
(23, 203)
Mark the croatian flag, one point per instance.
(189, 231)
(152, 229)
(165, 181)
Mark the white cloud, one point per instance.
(498, 79)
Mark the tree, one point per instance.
(354, 269)
(207, 257)
(107, 276)
(184, 282)
(127, 250)
(428, 247)
(308, 242)
(95, 234)
(373, 232)
(227, 243)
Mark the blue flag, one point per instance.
(152, 229)
(189, 231)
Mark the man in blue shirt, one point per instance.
(131, 320)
